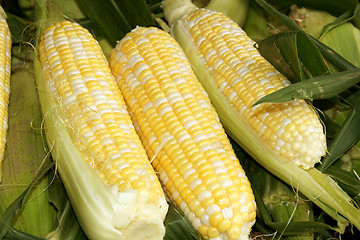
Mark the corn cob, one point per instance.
(110, 181)
(235, 76)
(182, 134)
(5, 67)
(292, 129)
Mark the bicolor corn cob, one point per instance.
(182, 134)
(91, 106)
(235, 76)
(5, 71)
(243, 76)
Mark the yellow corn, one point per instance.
(93, 110)
(182, 134)
(5, 69)
(243, 76)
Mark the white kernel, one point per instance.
(183, 137)
(107, 141)
(213, 208)
(204, 195)
(125, 150)
(163, 177)
(147, 106)
(205, 219)
(226, 183)
(166, 139)
(280, 142)
(190, 123)
(218, 63)
(227, 212)
(134, 59)
(195, 183)
(241, 174)
(268, 74)
(263, 81)
(183, 206)
(188, 95)
(232, 95)
(164, 110)
(217, 163)
(285, 122)
(179, 80)
(159, 101)
(189, 172)
(175, 195)
(219, 170)
(263, 128)
(205, 148)
(196, 223)
(248, 62)
(121, 166)
(199, 137)
(280, 131)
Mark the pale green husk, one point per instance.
(318, 187)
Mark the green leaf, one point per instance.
(115, 18)
(178, 227)
(14, 234)
(333, 6)
(348, 181)
(24, 152)
(322, 87)
(11, 212)
(68, 227)
(347, 136)
(296, 52)
(328, 53)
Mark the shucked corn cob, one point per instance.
(5, 71)
(243, 76)
(182, 134)
(128, 202)
(235, 76)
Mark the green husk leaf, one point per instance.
(339, 62)
(347, 137)
(297, 52)
(235, 9)
(322, 87)
(333, 6)
(256, 25)
(11, 212)
(349, 181)
(24, 155)
(115, 18)
(178, 227)
(14, 234)
(68, 227)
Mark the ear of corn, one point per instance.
(182, 134)
(286, 138)
(113, 189)
(243, 76)
(5, 71)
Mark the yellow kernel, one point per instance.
(213, 232)
(215, 218)
(224, 225)
(203, 230)
(233, 232)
